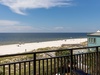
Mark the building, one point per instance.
(94, 39)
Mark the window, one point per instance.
(92, 40)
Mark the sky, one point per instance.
(33, 16)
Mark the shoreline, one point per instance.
(22, 42)
(26, 47)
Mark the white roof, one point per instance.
(98, 30)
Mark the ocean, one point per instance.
(15, 38)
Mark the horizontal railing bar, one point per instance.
(26, 53)
(85, 47)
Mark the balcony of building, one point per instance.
(52, 62)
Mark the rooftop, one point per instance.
(95, 33)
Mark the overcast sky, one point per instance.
(49, 15)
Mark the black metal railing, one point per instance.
(52, 62)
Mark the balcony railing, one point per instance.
(52, 62)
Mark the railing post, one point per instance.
(71, 64)
(34, 62)
(97, 60)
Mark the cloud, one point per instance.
(14, 26)
(8, 22)
(62, 29)
(59, 28)
(19, 6)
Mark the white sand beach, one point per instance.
(19, 48)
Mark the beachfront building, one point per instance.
(94, 39)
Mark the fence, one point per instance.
(52, 62)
